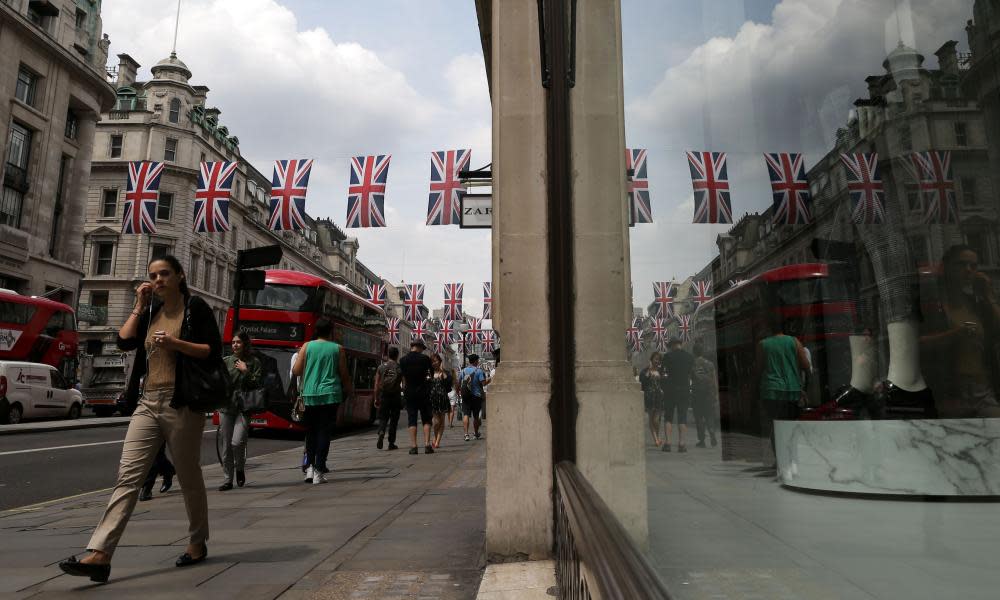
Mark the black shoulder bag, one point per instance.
(204, 384)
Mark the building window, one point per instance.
(158, 251)
(109, 204)
(207, 275)
(202, 157)
(15, 179)
(81, 18)
(170, 150)
(10, 207)
(42, 13)
(27, 82)
(968, 191)
(961, 134)
(99, 299)
(195, 260)
(104, 257)
(57, 208)
(72, 124)
(913, 200)
(164, 206)
(115, 150)
(175, 110)
(220, 276)
(234, 238)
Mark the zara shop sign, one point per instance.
(477, 211)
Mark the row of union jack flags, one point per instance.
(791, 198)
(445, 332)
(413, 300)
(289, 184)
(636, 331)
(665, 294)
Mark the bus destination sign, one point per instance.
(279, 332)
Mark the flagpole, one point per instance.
(177, 22)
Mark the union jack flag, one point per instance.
(413, 301)
(439, 343)
(633, 335)
(474, 332)
(864, 184)
(446, 329)
(211, 200)
(701, 292)
(453, 301)
(444, 201)
(366, 193)
(487, 300)
(659, 329)
(789, 187)
(710, 180)
(937, 186)
(684, 322)
(141, 197)
(288, 194)
(661, 344)
(377, 294)
(392, 327)
(664, 293)
(420, 329)
(490, 340)
(639, 206)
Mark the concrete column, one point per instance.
(519, 443)
(610, 423)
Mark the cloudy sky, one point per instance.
(328, 79)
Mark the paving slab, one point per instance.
(387, 525)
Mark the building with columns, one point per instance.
(52, 59)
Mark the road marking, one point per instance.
(10, 452)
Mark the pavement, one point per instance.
(727, 529)
(388, 525)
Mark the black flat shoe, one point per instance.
(225, 487)
(241, 478)
(98, 573)
(168, 482)
(186, 560)
(146, 493)
(896, 403)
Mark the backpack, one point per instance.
(392, 378)
(467, 381)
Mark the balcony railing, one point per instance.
(595, 557)
(15, 177)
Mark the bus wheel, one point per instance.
(14, 414)
(74, 411)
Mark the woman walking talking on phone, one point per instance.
(167, 327)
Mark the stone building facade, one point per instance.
(167, 119)
(52, 77)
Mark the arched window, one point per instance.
(175, 110)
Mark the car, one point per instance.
(29, 390)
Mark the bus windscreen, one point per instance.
(293, 298)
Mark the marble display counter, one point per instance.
(921, 457)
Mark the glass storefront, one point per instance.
(815, 261)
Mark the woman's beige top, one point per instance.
(160, 374)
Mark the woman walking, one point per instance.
(166, 333)
(651, 379)
(322, 365)
(441, 384)
(245, 374)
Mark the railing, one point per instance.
(595, 557)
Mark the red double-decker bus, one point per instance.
(38, 330)
(281, 317)
(817, 306)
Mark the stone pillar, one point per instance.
(610, 422)
(519, 442)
